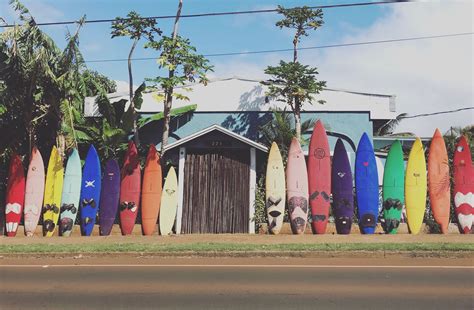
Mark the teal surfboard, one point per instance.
(71, 194)
(393, 188)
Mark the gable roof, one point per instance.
(223, 130)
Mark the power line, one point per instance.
(301, 48)
(437, 113)
(330, 6)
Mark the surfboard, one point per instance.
(34, 192)
(319, 178)
(71, 194)
(367, 186)
(109, 197)
(52, 192)
(415, 187)
(151, 191)
(393, 188)
(464, 186)
(439, 187)
(297, 188)
(169, 203)
(129, 189)
(15, 195)
(275, 190)
(342, 192)
(90, 191)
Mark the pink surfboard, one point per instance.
(297, 188)
(34, 192)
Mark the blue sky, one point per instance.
(208, 34)
(425, 75)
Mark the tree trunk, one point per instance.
(130, 80)
(297, 114)
(296, 110)
(169, 91)
(298, 125)
(295, 49)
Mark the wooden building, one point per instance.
(216, 181)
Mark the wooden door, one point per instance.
(216, 192)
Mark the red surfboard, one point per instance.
(15, 195)
(129, 190)
(463, 185)
(319, 178)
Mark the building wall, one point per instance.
(350, 124)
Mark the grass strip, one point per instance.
(231, 247)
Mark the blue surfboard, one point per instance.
(71, 194)
(90, 191)
(367, 186)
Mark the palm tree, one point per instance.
(389, 127)
(280, 129)
(42, 92)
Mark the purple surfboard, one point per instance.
(341, 183)
(109, 198)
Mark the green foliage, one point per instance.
(389, 127)
(280, 129)
(40, 84)
(302, 19)
(135, 27)
(293, 83)
(454, 133)
(173, 113)
(43, 89)
(260, 206)
(95, 82)
(179, 56)
(137, 97)
(184, 65)
(112, 130)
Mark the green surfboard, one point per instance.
(393, 188)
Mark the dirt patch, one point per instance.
(244, 239)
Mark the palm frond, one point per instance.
(390, 126)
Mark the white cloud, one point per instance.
(40, 10)
(426, 75)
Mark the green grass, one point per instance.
(231, 247)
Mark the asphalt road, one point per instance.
(210, 285)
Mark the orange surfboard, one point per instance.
(438, 181)
(151, 191)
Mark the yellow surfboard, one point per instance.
(169, 203)
(415, 187)
(275, 190)
(52, 193)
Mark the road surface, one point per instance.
(160, 283)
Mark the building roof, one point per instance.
(237, 94)
(220, 129)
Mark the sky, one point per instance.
(425, 75)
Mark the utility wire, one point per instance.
(301, 48)
(437, 113)
(330, 6)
